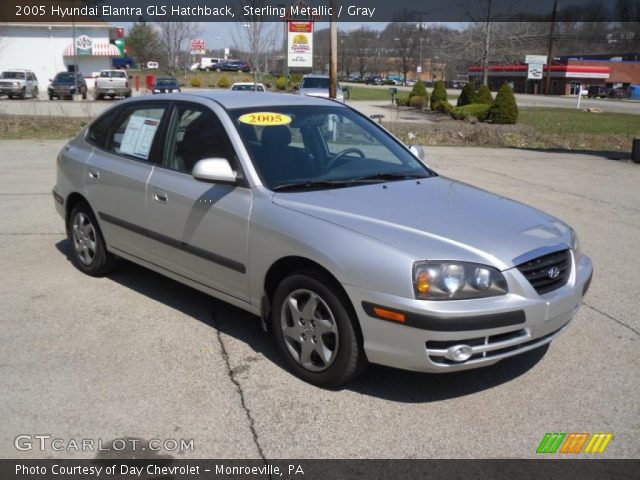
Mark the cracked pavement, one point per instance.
(136, 355)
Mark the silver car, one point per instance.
(306, 213)
(318, 86)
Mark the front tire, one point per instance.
(89, 253)
(314, 331)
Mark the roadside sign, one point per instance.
(300, 44)
(537, 59)
(198, 52)
(534, 71)
(197, 44)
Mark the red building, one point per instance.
(568, 75)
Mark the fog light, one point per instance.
(459, 353)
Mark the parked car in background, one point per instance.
(152, 65)
(318, 86)
(410, 83)
(232, 66)
(165, 85)
(64, 85)
(194, 67)
(392, 81)
(620, 92)
(123, 62)
(374, 80)
(19, 84)
(597, 91)
(306, 213)
(209, 63)
(248, 87)
(112, 83)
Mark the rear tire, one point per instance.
(319, 341)
(89, 253)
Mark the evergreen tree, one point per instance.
(504, 108)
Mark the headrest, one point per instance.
(276, 136)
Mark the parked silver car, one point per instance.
(310, 215)
(19, 83)
(318, 86)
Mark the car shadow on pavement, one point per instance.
(377, 381)
(619, 156)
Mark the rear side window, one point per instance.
(135, 131)
(99, 128)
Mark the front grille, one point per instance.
(540, 271)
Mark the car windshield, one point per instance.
(111, 74)
(14, 75)
(63, 77)
(314, 82)
(167, 83)
(310, 147)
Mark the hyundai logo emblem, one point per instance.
(553, 272)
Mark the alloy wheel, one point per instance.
(84, 238)
(309, 330)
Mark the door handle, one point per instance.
(160, 197)
(94, 174)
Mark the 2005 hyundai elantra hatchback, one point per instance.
(310, 215)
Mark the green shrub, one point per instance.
(295, 78)
(419, 90)
(195, 82)
(476, 110)
(403, 101)
(224, 82)
(418, 101)
(439, 94)
(281, 83)
(468, 95)
(504, 108)
(484, 96)
(442, 106)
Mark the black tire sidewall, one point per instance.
(350, 358)
(103, 261)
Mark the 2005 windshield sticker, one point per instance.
(265, 119)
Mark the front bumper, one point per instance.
(495, 328)
(5, 90)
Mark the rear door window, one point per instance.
(135, 131)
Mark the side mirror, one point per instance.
(418, 151)
(215, 170)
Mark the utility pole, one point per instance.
(333, 64)
(552, 29)
(487, 46)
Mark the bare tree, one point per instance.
(402, 37)
(174, 38)
(361, 44)
(255, 35)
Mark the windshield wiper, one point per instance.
(308, 185)
(385, 177)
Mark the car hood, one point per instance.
(435, 219)
(315, 92)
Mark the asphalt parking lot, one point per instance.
(136, 355)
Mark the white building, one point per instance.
(48, 48)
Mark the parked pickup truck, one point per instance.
(112, 83)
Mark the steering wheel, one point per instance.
(343, 153)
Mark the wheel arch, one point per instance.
(286, 266)
(72, 200)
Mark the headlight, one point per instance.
(156, 90)
(456, 281)
(16, 84)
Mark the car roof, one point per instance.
(231, 99)
(245, 83)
